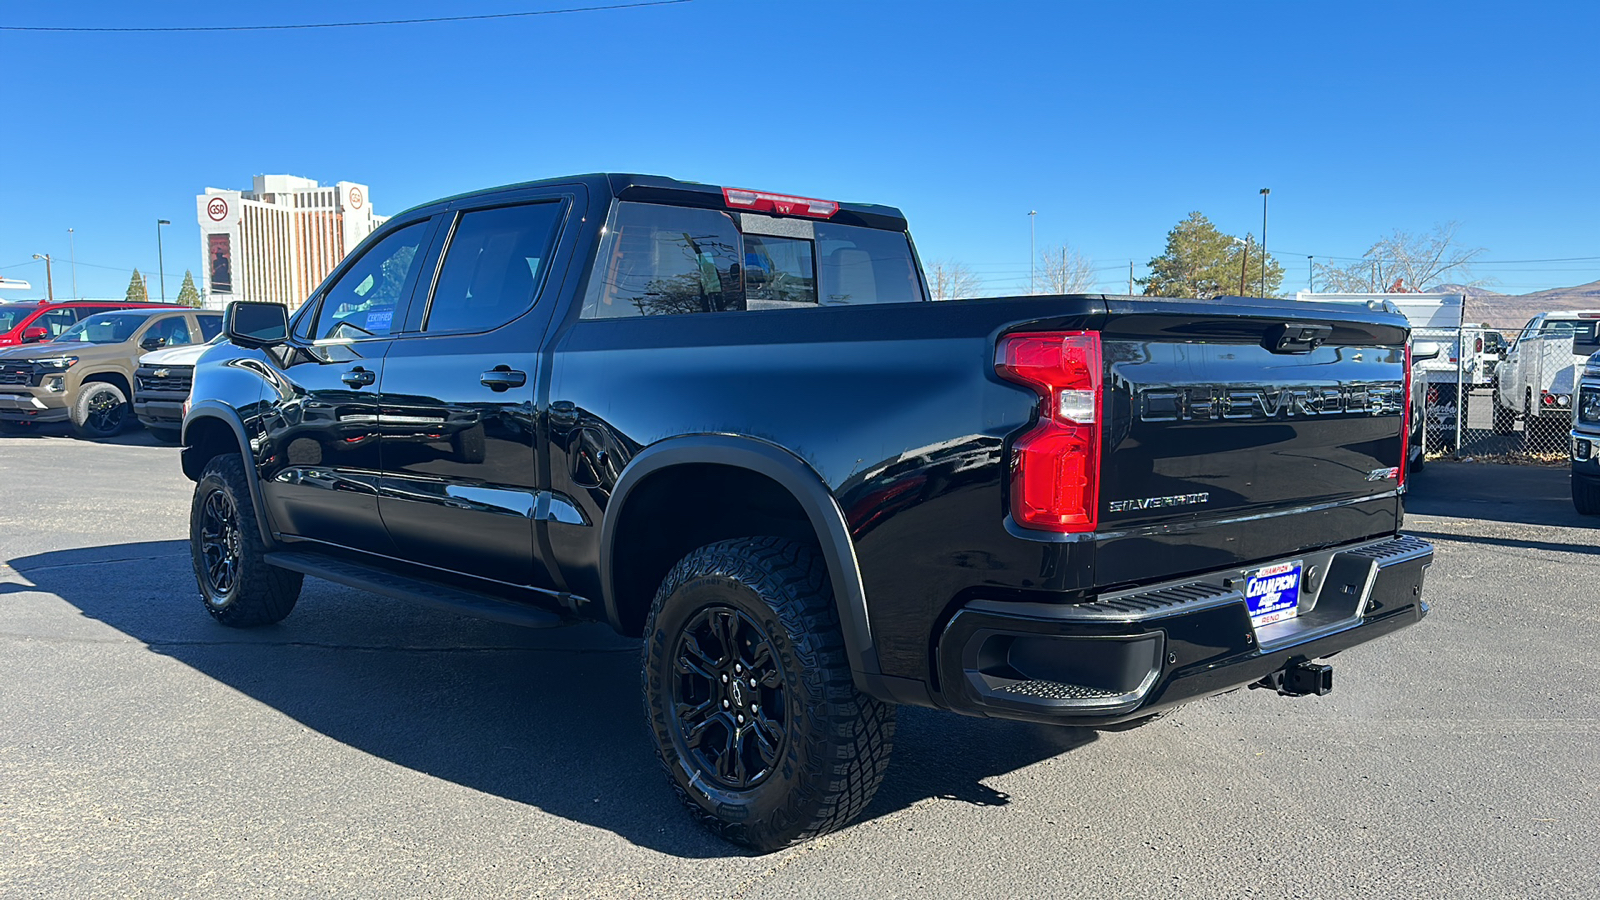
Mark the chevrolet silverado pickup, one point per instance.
(731, 423)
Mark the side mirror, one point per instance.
(251, 324)
(1422, 351)
(35, 334)
(152, 343)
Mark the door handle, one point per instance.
(502, 378)
(358, 377)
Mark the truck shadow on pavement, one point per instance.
(549, 718)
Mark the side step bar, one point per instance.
(428, 593)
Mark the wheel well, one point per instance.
(205, 439)
(114, 379)
(682, 508)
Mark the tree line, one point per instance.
(1200, 261)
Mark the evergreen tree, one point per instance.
(187, 294)
(136, 288)
(1202, 262)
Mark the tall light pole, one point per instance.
(1033, 281)
(1311, 278)
(49, 283)
(72, 250)
(1244, 263)
(161, 262)
(1264, 193)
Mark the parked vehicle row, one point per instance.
(1537, 383)
(86, 374)
(1586, 440)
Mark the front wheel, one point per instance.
(750, 699)
(239, 587)
(101, 411)
(1586, 495)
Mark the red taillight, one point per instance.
(1477, 345)
(1055, 465)
(1548, 399)
(782, 204)
(1405, 424)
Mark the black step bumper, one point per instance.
(1131, 654)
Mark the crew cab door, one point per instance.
(457, 418)
(321, 479)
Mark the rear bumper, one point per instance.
(1128, 655)
(32, 406)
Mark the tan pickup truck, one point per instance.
(86, 374)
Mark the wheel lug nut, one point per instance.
(724, 704)
(724, 677)
(752, 682)
(741, 720)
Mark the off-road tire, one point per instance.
(835, 742)
(255, 593)
(101, 411)
(1586, 495)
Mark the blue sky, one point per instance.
(1113, 120)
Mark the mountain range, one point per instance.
(1511, 311)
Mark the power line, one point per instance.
(306, 25)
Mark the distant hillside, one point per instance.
(1512, 311)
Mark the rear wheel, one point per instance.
(750, 699)
(238, 586)
(1586, 495)
(101, 410)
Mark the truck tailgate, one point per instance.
(1227, 440)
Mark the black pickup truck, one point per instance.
(730, 422)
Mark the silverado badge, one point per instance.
(1159, 502)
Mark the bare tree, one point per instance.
(1063, 270)
(1404, 262)
(950, 280)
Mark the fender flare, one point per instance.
(807, 487)
(211, 409)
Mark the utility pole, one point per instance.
(72, 245)
(1130, 277)
(1033, 281)
(1311, 278)
(49, 282)
(1264, 193)
(161, 262)
(1244, 264)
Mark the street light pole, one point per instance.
(1033, 281)
(161, 262)
(1244, 265)
(72, 245)
(1264, 193)
(49, 282)
(1311, 278)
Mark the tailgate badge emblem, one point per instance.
(1390, 474)
(1160, 502)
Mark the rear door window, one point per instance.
(492, 266)
(57, 321)
(210, 327)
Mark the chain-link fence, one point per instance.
(1488, 396)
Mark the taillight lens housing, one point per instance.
(1405, 423)
(1055, 465)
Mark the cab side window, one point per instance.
(173, 331)
(495, 262)
(210, 326)
(57, 321)
(666, 260)
(361, 304)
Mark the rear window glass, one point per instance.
(1583, 332)
(663, 260)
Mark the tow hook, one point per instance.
(1299, 678)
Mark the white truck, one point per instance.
(1540, 373)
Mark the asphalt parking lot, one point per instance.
(364, 748)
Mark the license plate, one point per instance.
(1273, 593)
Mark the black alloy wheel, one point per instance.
(728, 698)
(106, 412)
(219, 545)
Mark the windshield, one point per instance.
(108, 328)
(11, 315)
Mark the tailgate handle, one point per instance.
(1297, 337)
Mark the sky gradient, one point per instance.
(1113, 121)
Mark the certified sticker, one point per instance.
(1273, 593)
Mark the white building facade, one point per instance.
(277, 241)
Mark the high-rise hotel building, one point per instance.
(277, 241)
